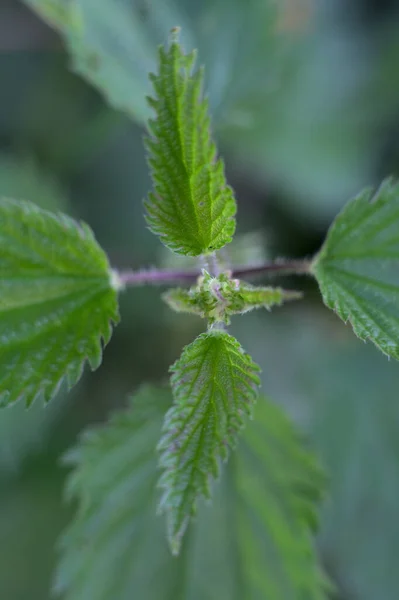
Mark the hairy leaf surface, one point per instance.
(215, 384)
(254, 542)
(218, 298)
(358, 266)
(192, 208)
(106, 549)
(57, 301)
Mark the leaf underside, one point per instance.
(57, 303)
(215, 384)
(192, 208)
(358, 266)
(254, 542)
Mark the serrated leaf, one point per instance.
(245, 249)
(113, 46)
(358, 266)
(106, 548)
(262, 113)
(215, 384)
(192, 208)
(268, 507)
(254, 542)
(346, 398)
(57, 301)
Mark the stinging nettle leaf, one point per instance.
(106, 548)
(57, 301)
(255, 541)
(107, 46)
(277, 485)
(192, 208)
(215, 384)
(358, 266)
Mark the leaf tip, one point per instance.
(175, 534)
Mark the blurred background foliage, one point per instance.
(304, 96)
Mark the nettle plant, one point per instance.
(59, 302)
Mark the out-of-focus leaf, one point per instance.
(345, 395)
(354, 419)
(31, 517)
(107, 46)
(116, 546)
(358, 267)
(114, 45)
(62, 119)
(272, 99)
(254, 542)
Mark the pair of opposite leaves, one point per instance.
(59, 296)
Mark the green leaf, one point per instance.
(58, 13)
(358, 266)
(107, 46)
(346, 398)
(245, 249)
(57, 301)
(354, 419)
(268, 508)
(112, 45)
(32, 518)
(192, 208)
(106, 548)
(254, 542)
(218, 298)
(215, 384)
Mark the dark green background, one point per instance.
(319, 119)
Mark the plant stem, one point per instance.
(283, 267)
(156, 277)
(166, 276)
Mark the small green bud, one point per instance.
(218, 298)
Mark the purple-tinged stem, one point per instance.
(156, 277)
(286, 267)
(166, 276)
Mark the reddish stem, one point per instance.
(165, 276)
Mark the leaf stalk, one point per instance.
(130, 278)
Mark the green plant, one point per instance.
(59, 299)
